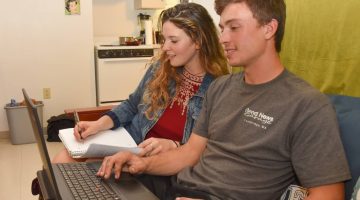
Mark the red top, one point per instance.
(172, 123)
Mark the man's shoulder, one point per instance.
(225, 80)
(302, 90)
(221, 86)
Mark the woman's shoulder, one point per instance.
(152, 67)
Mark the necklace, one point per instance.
(194, 78)
(189, 85)
(200, 74)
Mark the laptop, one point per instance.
(71, 180)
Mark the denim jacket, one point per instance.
(131, 113)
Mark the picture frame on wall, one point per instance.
(72, 7)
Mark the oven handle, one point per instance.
(124, 59)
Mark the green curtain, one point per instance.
(322, 44)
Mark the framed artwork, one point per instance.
(72, 7)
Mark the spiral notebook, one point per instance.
(104, 143)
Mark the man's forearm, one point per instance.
(171, 162)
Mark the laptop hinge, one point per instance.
(46, 191)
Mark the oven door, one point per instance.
(116, 78)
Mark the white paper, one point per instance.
(102, 144)
(100, 150)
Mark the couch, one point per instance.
(348, 114)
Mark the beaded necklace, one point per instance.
(190, 83)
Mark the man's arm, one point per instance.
(327, 192)
(172, 162)
(168, 163)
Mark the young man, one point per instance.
(259, 131)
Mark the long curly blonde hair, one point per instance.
(196, 22)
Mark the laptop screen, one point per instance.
(39, 136)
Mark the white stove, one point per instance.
(119, 69)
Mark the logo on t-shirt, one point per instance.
(258, 119)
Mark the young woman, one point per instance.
(162, 111)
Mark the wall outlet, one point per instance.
(46, 93)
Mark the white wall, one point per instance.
(119, 18)
(40, 47)
(43, 48)
(209, 5)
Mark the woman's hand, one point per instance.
(84, 129)
(153, 146)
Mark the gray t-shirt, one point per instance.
(262, 138)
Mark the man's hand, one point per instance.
(165, 164)
(153, 146)
(121, 161)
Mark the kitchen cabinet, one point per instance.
(149, 4)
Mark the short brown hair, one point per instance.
(264, 11)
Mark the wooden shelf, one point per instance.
(90, 113)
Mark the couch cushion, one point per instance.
(348, 114)
(356, 194)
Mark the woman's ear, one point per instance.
(270, 28)
(197, 45)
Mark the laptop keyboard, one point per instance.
(83, 182)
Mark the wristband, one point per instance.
(176, 143)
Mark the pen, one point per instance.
(76, 117)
